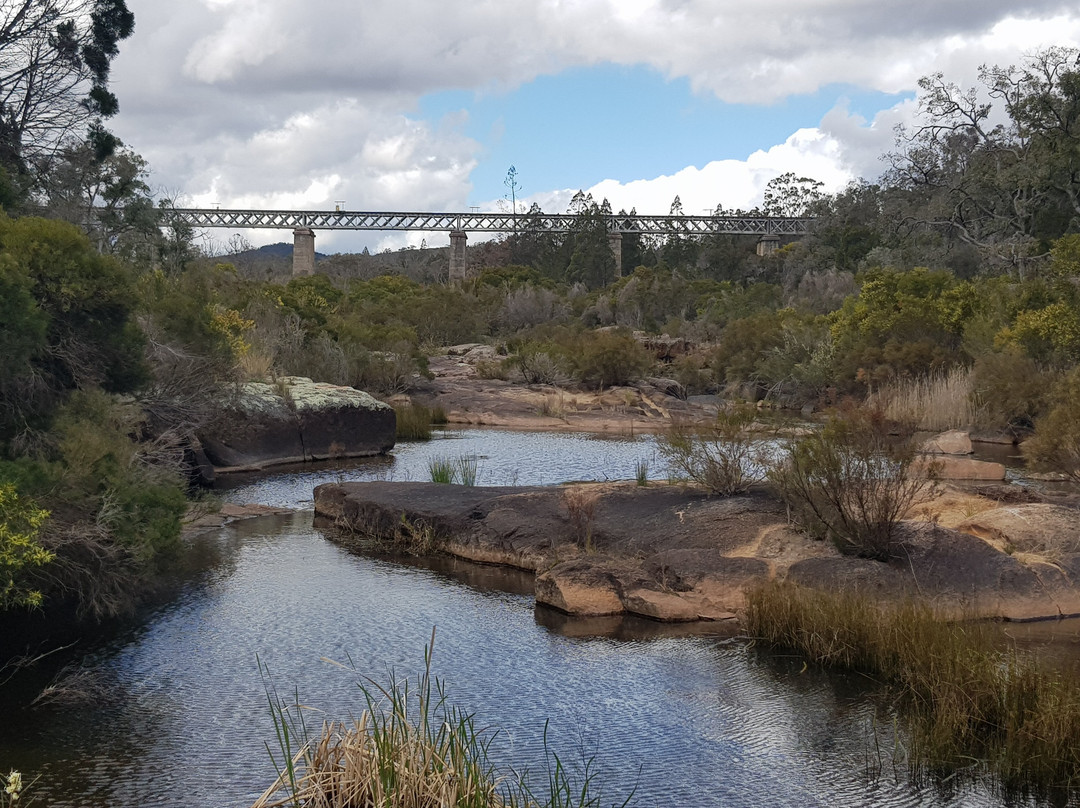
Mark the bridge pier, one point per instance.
(458, 266)
(303, 251)
(768, 244)
(614, 240)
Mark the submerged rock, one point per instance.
(297, 420)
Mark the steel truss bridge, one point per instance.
(489, 222)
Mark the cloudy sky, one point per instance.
(410, 105)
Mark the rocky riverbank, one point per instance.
(674, 553)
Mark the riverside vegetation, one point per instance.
(969, 705)
(118, 338)
(410, 748)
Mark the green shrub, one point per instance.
(724, 457)
(20, 550)
(116, 504)
(850, 482)
(606, 358)
(1056, 443)
(1009, 390)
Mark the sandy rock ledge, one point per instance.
(674, 554)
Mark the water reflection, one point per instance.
(692, 721)
(503, 458)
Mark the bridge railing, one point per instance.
(486, 222)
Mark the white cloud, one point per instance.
(278, 103)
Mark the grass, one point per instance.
(467, 468)
(463, 470)
(580, 503)
(442, 470)
(410, 748)
(970, 704)
(934, 403)
(414, 422)
(641, 472)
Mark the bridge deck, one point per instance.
(486, 222)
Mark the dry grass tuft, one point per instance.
(934, 403)
(409, 749)
(580, 503)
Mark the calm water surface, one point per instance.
(688, 721)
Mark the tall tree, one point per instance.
(997, 166)
(55, 57)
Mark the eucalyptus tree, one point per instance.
(997, 166)
(55, 57)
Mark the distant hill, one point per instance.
(283, 249)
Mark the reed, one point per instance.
(413, 422)
(641, 472)
(935, 402)
(410, 748)
(967, 700)
(443, 470)
(468, 467)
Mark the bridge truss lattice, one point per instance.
(487, 222)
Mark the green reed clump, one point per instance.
(414, 422)
(410, 748)
(468, 467)
(966, 698)
(641, 472)
(462, 470)
(443, 470)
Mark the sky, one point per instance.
(424, 105)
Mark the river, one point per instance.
(181, 716)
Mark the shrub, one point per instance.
(725, 457)
(116, 504)
(580, 503)
(607, 358)
(20, 550)
(1009, 390)
(536, 364)
(850, 482)
(1056, 443)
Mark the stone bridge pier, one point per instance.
(458, 263)
(303, 251)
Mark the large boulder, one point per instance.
(297, 420)
(953, 442)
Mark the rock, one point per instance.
(952, 567)
(953, 442)
(464, 348)
(668, 608)
(665, 347)
(581, 586)
(1052, 531)
(960, 468)
(668, 387)
(297, 420)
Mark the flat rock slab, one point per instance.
(948, 467)
(673, 553)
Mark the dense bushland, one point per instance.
(112, 351)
